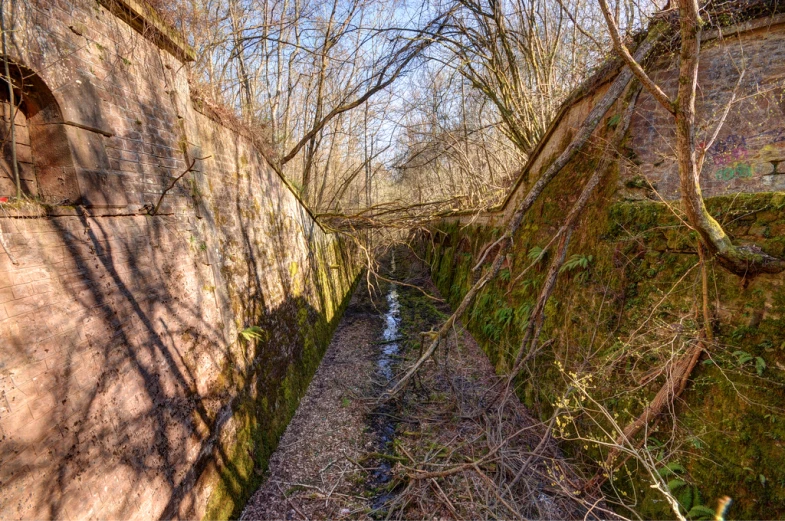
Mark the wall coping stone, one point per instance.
(147, 22)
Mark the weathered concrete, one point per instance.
(126, 391)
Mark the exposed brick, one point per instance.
(30, 275)
(15, 421)
(24, 305)
(8, 294)
(95, 298)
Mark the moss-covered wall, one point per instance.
(634, 306)
(269, 396)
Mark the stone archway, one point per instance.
(43, 154)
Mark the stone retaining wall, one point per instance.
(126, 388)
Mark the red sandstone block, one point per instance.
(5, 262)
(5, 279)
(24, 305)
(33, 255)
(43, 404)
(55, 344)
(25, 328)
(40, 287)
(79, 502)
(29, 275)
(94, 327)
(20, 291)
(12, 399)
(63, 322)
(15, 421)
(34, 351)
(49, 238)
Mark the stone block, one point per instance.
(102, 189)
(15, 421)
(87, 148)
(7, 295)
(24, 305)
(80, 103)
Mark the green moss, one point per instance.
(730, 430)
(267, 392)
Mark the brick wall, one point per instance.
(750, 145)
(751, 142)
(124, 390)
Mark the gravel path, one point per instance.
(316, 471)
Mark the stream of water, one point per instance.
(382, 422)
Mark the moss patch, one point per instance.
(612, 318)
(268, 384)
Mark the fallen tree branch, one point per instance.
(674, 385)
(532, 334)
(587, 128)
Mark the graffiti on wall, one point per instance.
(729, 157)
(732, 158)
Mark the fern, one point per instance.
(536, 253)
(531, 283)
(492, 331)
(671, 469)
(743, 357)
(676, 484)
(686, 497)
(760, 365)
(699, 512)
(252, 333)
(576, 261)
(504, 316)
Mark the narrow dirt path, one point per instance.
(316, 470)
(454, 445)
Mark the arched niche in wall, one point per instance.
(43, 150)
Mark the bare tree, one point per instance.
(744, 261)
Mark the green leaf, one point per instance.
(504, 316)
(762, 479)
(742, 356)
(676, 484)
(576, 261)
(252, 333)
(614, 120)
(701, 512)
(686, 497)
(535, 253)
(671, 469)
(760, 365)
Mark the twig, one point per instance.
(291, 503)
(190, 168)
